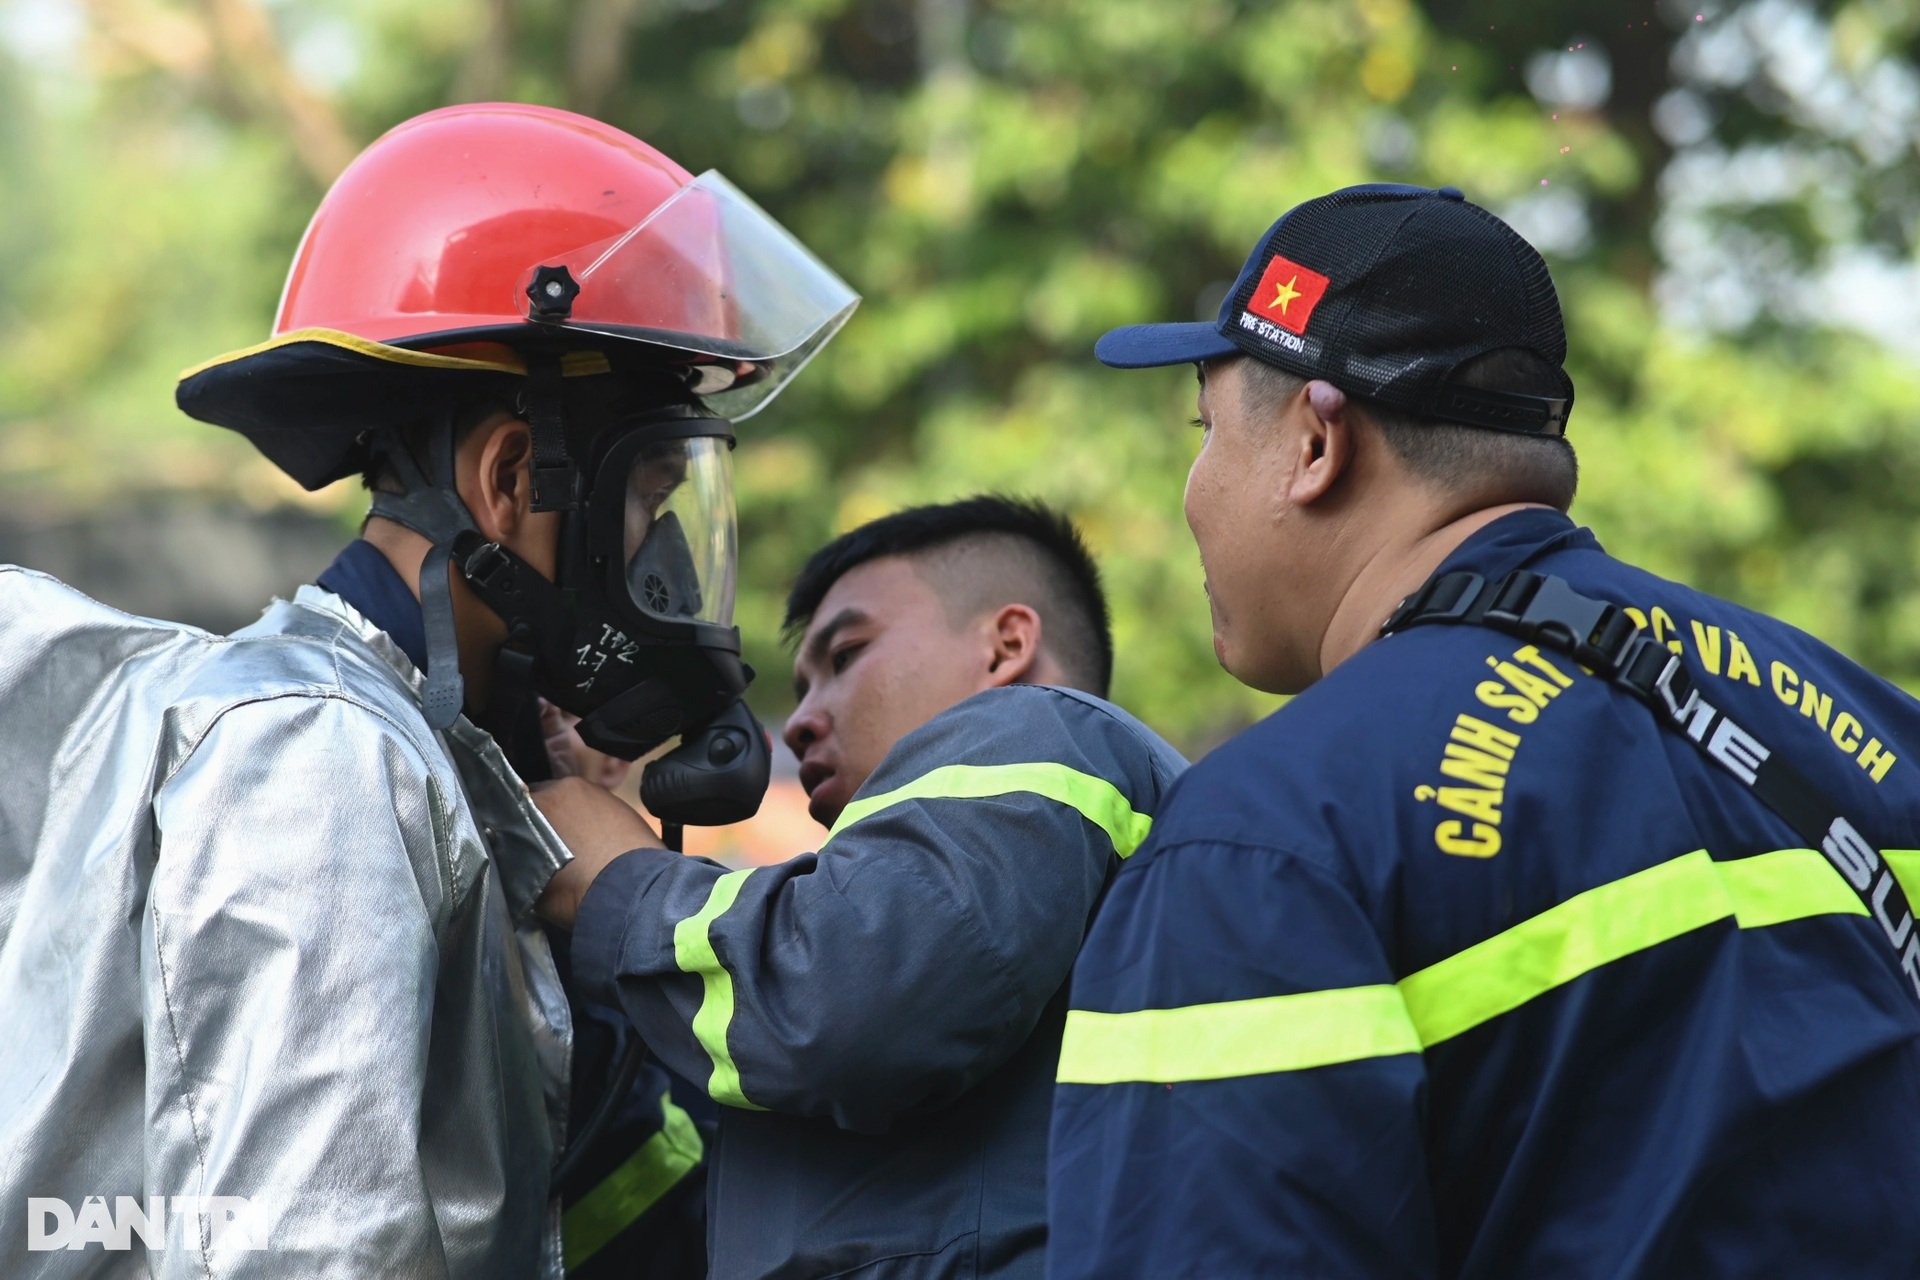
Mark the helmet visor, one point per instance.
(678, 530)
(710, 274)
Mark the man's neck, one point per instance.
(478, 632)
(403, 548)
(1399, 563)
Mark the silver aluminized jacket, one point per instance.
(264, 934)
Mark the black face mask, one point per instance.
(634, 633)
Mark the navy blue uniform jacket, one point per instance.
(881, 1020)
(1461, 964)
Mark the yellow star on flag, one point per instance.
(1285, 293)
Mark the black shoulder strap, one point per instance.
(1604, 640)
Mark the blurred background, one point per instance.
(1728, 194)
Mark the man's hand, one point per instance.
(597, 826)
(569, 757)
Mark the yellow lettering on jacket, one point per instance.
(1478, 755)
(1706, 643)
(1474, 802)
(1815, 705)
(1663, 631)
(1876, 759)
(1539, 692)
(1740, 662)
(1474, 732)
(1519, 709)
(1785, 681)
(1657, 623)
(1532, 656)
(1845, 729)
(1476, 841)
(1475, 767)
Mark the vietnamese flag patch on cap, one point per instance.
(1287, 294)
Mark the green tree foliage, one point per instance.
(1724, 195)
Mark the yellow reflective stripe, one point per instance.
(1465, 990)
(630, 1190)
(1791, 884)
(1096, 799)
(693, 952)
(1905, 865)
(1236, 1037)
(1560, 944)
(1614, 921)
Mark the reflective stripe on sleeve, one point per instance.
(1236, 1037)
(1905, 864)
(1096, 799)
(1614, 921)
(1320, 1028)
(693, 952)
(632, 1188)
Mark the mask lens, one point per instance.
(678, 530)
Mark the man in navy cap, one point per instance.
(1557, 926)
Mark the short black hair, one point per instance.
(380, 476)
(1497, 466)
(1079, 628)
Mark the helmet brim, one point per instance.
(308, 399)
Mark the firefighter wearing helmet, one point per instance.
(265, 900)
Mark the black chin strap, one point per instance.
(1604, 641)
(446, 692)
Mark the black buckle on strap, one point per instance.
(1447, 598)
(486, 564)
(1536, 607)
(1594, 633)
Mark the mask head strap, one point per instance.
(431, 507)
(552, 470)
(429, 503)
(445, 693)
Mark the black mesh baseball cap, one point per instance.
(1386, 291)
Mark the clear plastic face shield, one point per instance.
(708, 273)
(678, 532)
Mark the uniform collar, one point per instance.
(1514, 540)
(373, 597)
(363, 577)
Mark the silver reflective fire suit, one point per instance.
(263, 934)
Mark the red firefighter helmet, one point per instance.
(432, 228)
(467, 236)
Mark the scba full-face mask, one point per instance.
(634, 634)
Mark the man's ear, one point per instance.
(495, 482)
(1322, 441)
(1014, 631)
